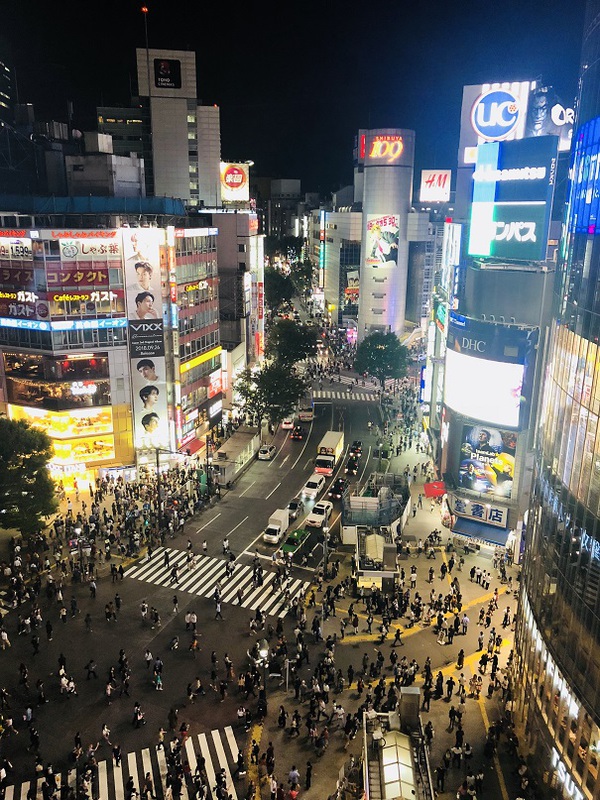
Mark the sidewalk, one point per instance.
(420, 642)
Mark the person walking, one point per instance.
(218, 614)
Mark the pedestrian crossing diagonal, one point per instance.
(200, 578)
(219, 748)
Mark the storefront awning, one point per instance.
(479, 530)
(434, 489)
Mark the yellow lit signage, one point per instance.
(195, 362)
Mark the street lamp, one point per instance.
(379, 446)
(263, 652)
(325, 550)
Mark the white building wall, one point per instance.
(387, 191)
(209, 155)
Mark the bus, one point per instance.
(306, 409)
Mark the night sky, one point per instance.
(295, 81)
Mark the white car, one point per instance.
(288, 423)
(319, 515)
(266, 452)
(314, 485)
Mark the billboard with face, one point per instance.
(382, 240)
(487, 460)
(146, 337)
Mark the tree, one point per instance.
(302, 276)
(271, 392)
(289, 341)
(26, 486)
(279, 288)
(382, 356)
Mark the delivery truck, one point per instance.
(279, 522)
(329, 452)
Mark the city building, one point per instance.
(557, 638)
(178, 137)
(109, 333)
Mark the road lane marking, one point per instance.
(241, 522)
(246, 489)
(271, 492)
(210, 521)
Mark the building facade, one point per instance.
(557, 640)
(109, 341)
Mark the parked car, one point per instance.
(320, 514)
(296, 507)
(337, 489)
(295, 541)
(356, 448)
(298, 433)
(352, 466)
(314, 485)
(266, 452)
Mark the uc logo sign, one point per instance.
(495, 114)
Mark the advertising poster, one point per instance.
(148, 378)
(487, 460)
(382, 240)
(146, 337)
(142, 273)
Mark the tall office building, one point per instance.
(557, 645)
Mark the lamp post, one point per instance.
(207, 465)
(379, 446)
(325, 550)
(263, 652)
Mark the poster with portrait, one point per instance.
(382, 240)
(141, 255)
(487, 460)
(149, 385)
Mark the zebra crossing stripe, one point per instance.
(223, 762)
(102, 779)
(202, 579)
(118, 782)
(210, 773)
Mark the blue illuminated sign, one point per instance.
(495, 114)
(584, 202)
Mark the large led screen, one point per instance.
(487, 460)
(484, 390)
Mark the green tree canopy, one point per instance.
(301, 276)
(279, 288)
(289, 341)
(26, 486)
(382, 356)
(270, 392)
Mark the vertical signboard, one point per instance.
(141, 255)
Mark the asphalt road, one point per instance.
(241, 515)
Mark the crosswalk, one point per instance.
(219, 748)
(201, 580)
(330, 394)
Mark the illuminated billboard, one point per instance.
(451, 244)
(146, 337)
(382, 240)
(584, 201)
(511, 110)
(485, 370)
(235, 182)
(513, 186)
(487, 460)
(435, 186)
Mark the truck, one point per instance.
(329, 452)
(278, 523)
